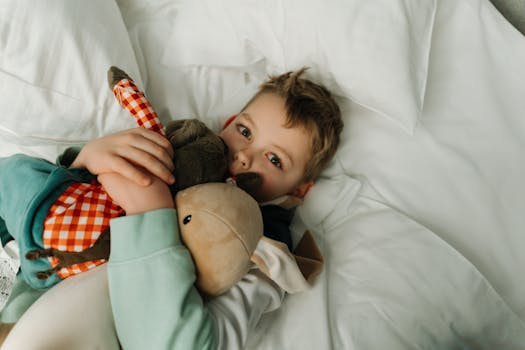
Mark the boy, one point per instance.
(286, 133)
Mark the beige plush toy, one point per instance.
(221, 225)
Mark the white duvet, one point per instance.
(421, 215)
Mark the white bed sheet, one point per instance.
(429, 253)
(460, 175)
(422, 232)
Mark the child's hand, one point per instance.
(137, 154)
(134, 198)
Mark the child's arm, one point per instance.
(151, 276)
(136, 154)
(237, 313)
(151, 280)
(134, 198)
(154, 301)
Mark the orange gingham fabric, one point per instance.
(79, 216)
(132, 99)
(76, 220)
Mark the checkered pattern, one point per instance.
(132, 99)
(83, 211)
(76, 220)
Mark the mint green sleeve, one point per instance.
(151, 276)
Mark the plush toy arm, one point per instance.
(100, 250)
(131, 98)
(292, 272)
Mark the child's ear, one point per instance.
(303, 189)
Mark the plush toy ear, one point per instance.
(309, 257)
(183, 131)
(292, 272)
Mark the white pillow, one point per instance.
(211, 93)
(55, 55)
(374, 52)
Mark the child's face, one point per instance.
(259, 142)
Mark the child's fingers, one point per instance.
(136, 154)
(155, 145)
(147, 164)
(148, 150)
(132, 172)
(158, 139)
(151, 163)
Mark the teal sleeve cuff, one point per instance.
(136, 236)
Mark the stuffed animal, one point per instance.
(222, 239)
(62, 221)
(200, 155)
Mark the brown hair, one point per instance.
(311, 106)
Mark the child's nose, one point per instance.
(243, 158)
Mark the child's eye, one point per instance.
(275, 160)
(244, 131)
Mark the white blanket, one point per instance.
(421, 215)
